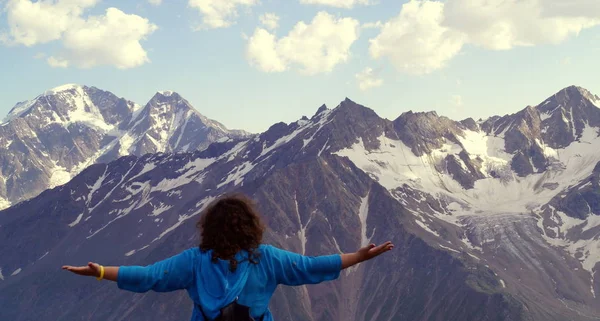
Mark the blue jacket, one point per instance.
(213, 285)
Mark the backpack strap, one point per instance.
(261, 318)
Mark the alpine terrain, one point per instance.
(46, 141)
(495, 219)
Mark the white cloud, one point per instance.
(109, 39)
(39, 55)
(262, 52)
(57, 62)
(427, 34)
(367, 79)
(269, 20)
(415, 41)
(457, 100)
(311, 48)
(219, 13)
(502, 25)
(43, 21)
(155, 2)
(348, 4)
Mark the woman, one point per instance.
(231, 271)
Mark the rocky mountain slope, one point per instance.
(44, 142)
(495, 219)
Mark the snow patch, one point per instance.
(502, 283)
(302, 230)
(591, 222)
(192, 171)
(43, 256)
(454, 207)
(125, 143)
(337, 246)
(363, 213)
(60, 176)
(236, 175)
(470, 245)
(426, 228)
(17, 271)
(1, 275)
(182, 218)
(61, 88)
(449, 249)
(544, 116)
(161, 208)
(394, 164)
(587, 251)
(95, 187)
(82, 109)
(76, 221)
(4, 203)
(7, 143)
(592, 285)
(473, 256)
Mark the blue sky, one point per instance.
(461, 58)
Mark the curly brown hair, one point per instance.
(229, 225)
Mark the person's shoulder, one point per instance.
(270, 251)
(192, 252)
(264, 248)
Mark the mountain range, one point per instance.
(492, 219)
(47, 140)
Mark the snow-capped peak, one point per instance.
(22, 107)
(62, 88)
(18, 110)
(166, 93)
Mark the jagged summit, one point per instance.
(166, 93)
(62, 88)
(169, 100)
(321, 109)
(580, 90)
(47, 140)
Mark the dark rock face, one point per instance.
(455, 259)
(425, 132)
(582, 200)
(569, 111)
(47, 140)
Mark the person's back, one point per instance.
(231, 266)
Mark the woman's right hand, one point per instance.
(365, 253)
(92, 269)
(370, 251)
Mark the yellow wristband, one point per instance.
(101, 273)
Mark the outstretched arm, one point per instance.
(295, 269)
(95, 270)
(174, 273)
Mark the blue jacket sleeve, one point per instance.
(295, 269)
(174, 273)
